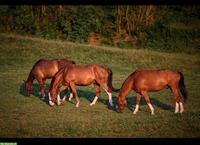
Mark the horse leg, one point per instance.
(70, 95)
(63, 87)
(50, 101)
(138, 98)
(97, 89)
(109, 96)
(146, 97)
(108, 91)
(42, 88)
(177, 97)
(73, 87)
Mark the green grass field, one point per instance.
(22, 116)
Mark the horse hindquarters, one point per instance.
(179, 105)
(101, 77)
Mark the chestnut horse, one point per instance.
(44, 69)
(82, 76)
(143, 81)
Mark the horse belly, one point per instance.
(84, 81)
(157, 86)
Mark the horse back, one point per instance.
(45, 68)
(154, 80)
(80, 75)
(64, 62)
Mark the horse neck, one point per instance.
(30, 79)
(57, 79)
(126, 88)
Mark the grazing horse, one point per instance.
(82, 76)
(44, 69)
(143, 81)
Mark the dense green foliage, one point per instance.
(165, 28)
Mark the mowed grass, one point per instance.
(22, 116)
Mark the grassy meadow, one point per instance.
(22, 116)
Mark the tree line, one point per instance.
(168, 28)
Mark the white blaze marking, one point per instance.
(94, 101)
(109, 97)
(181, 107)
(152, 109)
(136, 109)
(177, 108)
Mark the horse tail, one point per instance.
(182, 87)
(110, 75)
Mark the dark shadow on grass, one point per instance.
(36, 91)
(131, 102)
(89, 95)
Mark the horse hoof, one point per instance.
(91, 104)
(77, 105)
(134, 113)
(152, 114)
(51, 103)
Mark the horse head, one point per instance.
(121, 104)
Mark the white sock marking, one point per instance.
(70, 97)
(152, 109)
(136, 109)
(64, 98)
(94, 101)
(109, 97)
(181, 107)
(58, 100)
(176, 108)
(50, 102)
(77, 104)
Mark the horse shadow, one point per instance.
(36, 90)
(89, 95)
(131, 102)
